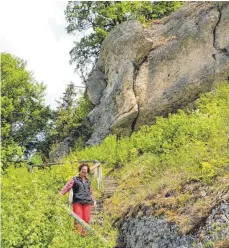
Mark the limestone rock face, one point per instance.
(147, 72)
(95, 89)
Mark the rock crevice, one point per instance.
(134, 81)
(153, 71)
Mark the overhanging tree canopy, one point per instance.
(97, 18)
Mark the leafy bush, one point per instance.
(196, 139)
(33, 214)
(193, 143)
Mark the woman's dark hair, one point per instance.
(88, 168)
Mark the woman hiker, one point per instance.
(82, 196)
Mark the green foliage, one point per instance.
(23, 113)
(193, 144)
(70, 119)
(196, 140)
(33, 213)
(98, 18)
(71, 111)
(186, 147)
(36, 158)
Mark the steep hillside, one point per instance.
(173, 178)
(172, 187)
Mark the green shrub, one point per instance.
(33, 214)
(193, 143)
(188, 139)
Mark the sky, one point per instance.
(35, 32)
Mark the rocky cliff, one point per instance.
(147, 72)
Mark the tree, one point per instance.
(98, 18)
(24, 114)
(65, 112)
(71, 113)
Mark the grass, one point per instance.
(178, 168)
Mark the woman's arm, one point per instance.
(67, 187)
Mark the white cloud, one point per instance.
(35, 32)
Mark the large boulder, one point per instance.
(147, 72)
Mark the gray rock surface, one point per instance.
(151, 232)
(127, 44)
(147, 72)
(95, 89)
(62, 149)
(216, 226)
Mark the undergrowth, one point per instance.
(180, 163)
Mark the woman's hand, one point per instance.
(94, 204)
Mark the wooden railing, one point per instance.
(84, 224)
(96, 168)
(97, 172)
(41, 166)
